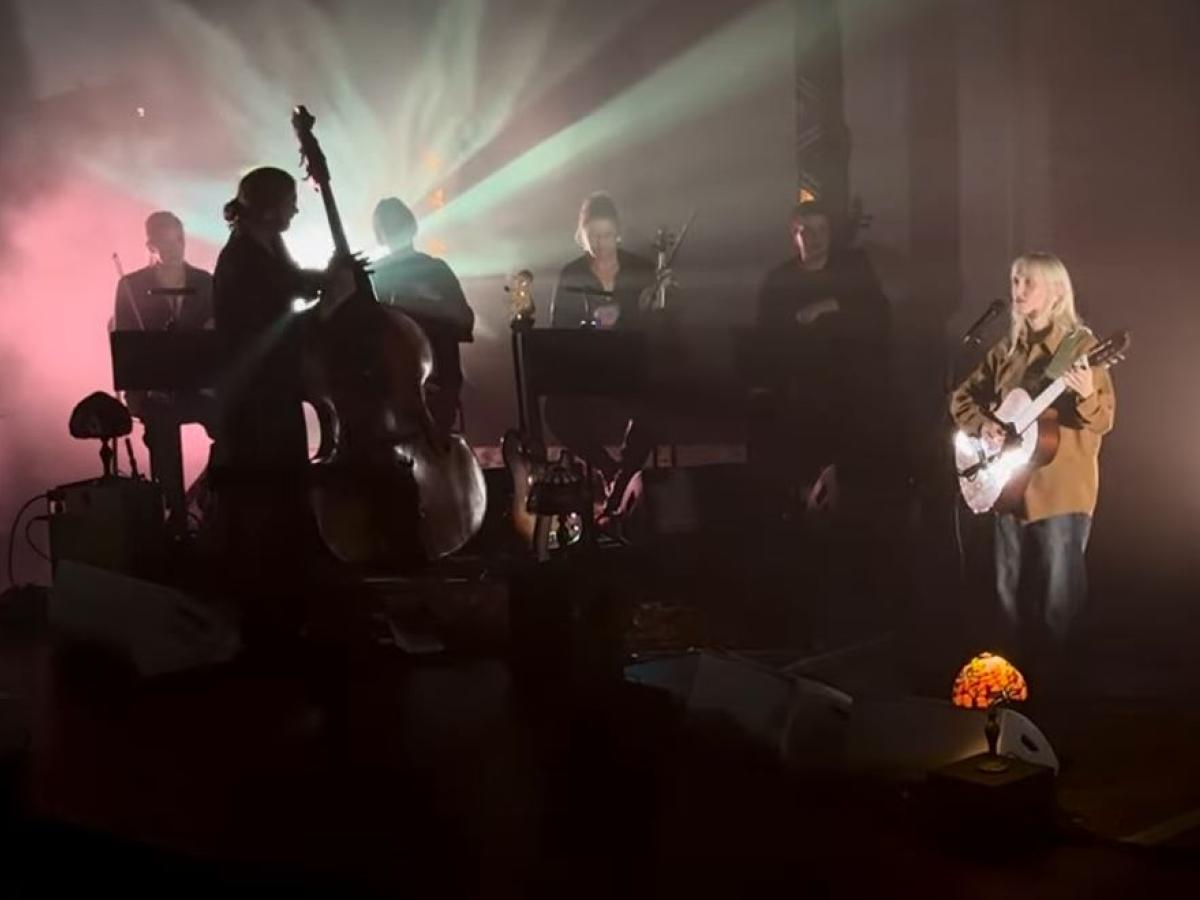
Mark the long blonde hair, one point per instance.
(1050, 269)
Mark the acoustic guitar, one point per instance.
(995, 478)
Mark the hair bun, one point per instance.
(234, 210)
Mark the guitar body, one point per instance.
(1045, 446)
(525, 465)
(996, 480)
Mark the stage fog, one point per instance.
(976, 131)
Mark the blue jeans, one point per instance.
(1041, 579)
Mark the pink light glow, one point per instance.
(57, 285)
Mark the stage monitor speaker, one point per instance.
(909, 737)
(801, 719)
(158, 628)
(815, 726)
(113, 523)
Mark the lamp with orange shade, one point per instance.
(984, 683)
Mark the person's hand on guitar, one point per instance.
(993, 435)
(1080, 378)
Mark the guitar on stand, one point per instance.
(525, 455)
(995, 477)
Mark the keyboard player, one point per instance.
(167, 295)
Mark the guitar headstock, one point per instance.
(520, 292)
(1110, 351)
(312, 157)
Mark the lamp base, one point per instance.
(991, 764)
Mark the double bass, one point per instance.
(389, 484)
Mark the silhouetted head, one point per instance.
(164, 238)
(395, 224)
(266, 198)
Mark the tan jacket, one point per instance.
(1069, 484)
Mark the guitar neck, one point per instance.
(1040, 404)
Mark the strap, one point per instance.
(1067, 352)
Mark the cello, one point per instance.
(389, 485)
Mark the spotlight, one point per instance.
(300, 305)
(432, 162)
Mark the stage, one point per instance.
(470, 772)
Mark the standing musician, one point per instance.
(168, 294)
(426, 289)
(606, 287)
(825, 326)
(261, 453)
(822, 425)
(1039, 550)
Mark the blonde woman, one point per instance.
(1042, 544)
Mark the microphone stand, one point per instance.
(952, 357)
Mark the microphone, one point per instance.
(994, 309)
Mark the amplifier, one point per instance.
(111, 523)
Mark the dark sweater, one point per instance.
(263, 342)
(568, 309)
(136, 309)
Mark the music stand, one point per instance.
(164, 360)
(170, 361)
(589, 294)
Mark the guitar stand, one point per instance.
(567, 616)
(530, 387)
